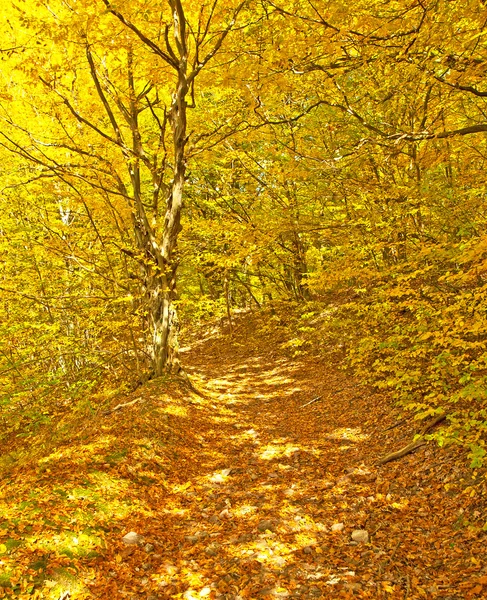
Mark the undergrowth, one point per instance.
(418, 331)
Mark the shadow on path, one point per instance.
(251, 492)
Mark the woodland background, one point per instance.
(332, 158)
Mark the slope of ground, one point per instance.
(251, 490)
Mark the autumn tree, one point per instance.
(319, 151)
(114, 98)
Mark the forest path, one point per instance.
(283, 438)
(250, 491)
(289, 449)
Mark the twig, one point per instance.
(432, 423)
(397, 424)
(402, 452)
(414, 444)
(319, 397)
(391, 556)
(120, 406)
(311, 401)
(408, 587)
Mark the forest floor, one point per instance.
(250, 490)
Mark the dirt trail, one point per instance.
(274, 475)
(252, 491)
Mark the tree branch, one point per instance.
(148, 42)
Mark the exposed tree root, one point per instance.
(412, 446)
(120, 406)
(183, 377)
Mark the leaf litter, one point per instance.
(247, 491)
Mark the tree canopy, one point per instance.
(164, 162)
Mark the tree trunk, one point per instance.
(163, 324)
(163, 317)
(159, 254)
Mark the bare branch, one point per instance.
(426, 135)
(102, 96)
(148, 42)
(218, 44)
(464, 88)
(79, 117)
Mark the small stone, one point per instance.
(265, 525)
(192, 538)
(337, 527)
(279, 561)
(132, 539)
(199, 535)
(212, 549)
(202, 534)
(146, 566)
(361, 536)
(362, 475)
(214, 519)
(149, 548)
(308, 550)
(169, 568)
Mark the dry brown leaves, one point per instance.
(245, 493)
